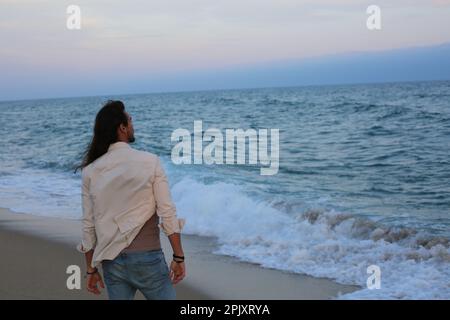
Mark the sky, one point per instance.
(139, 46)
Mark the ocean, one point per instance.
(364, 176)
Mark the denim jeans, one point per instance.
(146, 271)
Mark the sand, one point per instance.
(36, 252)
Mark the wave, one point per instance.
(42, 192)
(393, 112)
(378, 130)
(320, 243)
(366, 107)
(279, 102)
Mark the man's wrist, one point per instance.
(178, 258)
(90, 271)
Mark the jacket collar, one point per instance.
(117, 145)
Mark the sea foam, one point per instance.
(316, 242)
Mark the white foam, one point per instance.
(256, 232)
(42, 193)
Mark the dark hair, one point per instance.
(108, 119)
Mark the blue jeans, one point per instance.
(146, 271)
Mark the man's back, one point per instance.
(121, 192)
(121, 180)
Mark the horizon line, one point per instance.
(226, 89)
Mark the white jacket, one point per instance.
(120, 191)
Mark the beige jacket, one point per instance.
(120, 191)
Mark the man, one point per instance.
(122, 189)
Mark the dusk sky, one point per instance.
(139, 46)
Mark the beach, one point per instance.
(36, 252)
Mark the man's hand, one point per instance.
(177, 272)
(92, 281)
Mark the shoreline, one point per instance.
(49, 243)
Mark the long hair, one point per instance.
(108, 119)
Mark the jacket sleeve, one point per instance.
(89, 238)
(165, 208)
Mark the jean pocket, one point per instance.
(164, 267)
(106, 264)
